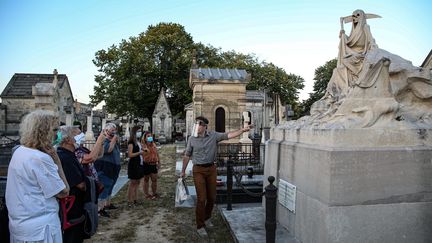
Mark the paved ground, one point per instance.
(246, 221)
(247, 224)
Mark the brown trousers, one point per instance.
(205, 185)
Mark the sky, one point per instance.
(299, 36)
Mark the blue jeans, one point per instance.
(108, 185)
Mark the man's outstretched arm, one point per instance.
(239, 132)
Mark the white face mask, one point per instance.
(138, 134)
(80, 139)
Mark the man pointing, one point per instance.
(203, 148)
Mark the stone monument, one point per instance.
(89, 135)
(162, 119)
(245, 136)
(358, 169)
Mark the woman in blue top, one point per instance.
(108, 168)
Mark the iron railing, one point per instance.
(245, 157)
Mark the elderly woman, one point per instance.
(108, 168)
(35, 179)
(76, 178)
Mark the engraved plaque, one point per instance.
(287, 195)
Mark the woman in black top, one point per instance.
(135, 171)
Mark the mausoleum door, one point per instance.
(220, 120)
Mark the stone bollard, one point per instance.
(229, 164)
(271, 199)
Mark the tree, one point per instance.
(322, 77)
(276, 81)
(132, 73)
(264, 75)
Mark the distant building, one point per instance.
(162, 119)
(221, 96)
(26, 92)
(189, 119)
(179, 128)
(82, 110)
(264, 110)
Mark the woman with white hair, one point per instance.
(108, 168)
(35, 179)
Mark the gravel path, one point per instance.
(157, 220)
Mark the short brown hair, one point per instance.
(203, 119)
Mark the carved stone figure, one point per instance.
(370, 86)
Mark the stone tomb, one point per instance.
(362, 162)
(370, 192)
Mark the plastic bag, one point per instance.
(181, 192)
(183, 198)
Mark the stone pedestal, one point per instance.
(356, 185)
(89, 133)
(245, 136)
(69, 119)
(103, 123)
(127, 131)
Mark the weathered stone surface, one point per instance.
(27, 92)
(362, 161)
(162, 118)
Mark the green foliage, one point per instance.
(264, 75)
(276, 81)
(322, 77)
(132, 73)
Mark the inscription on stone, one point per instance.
(287, 195)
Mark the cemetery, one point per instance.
(355, 168)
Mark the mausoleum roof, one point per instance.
(21, 84)
(220, 73)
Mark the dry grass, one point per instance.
(157, 220)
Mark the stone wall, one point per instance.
(231, 97)
(354, 185)
(16, 109)
(3, 110)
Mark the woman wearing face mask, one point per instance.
(135, 166)
(108, 168)
(151, 165)
(76, 178)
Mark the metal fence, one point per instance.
(246, 158)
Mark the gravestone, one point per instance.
(360, 165)
(162, 119)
